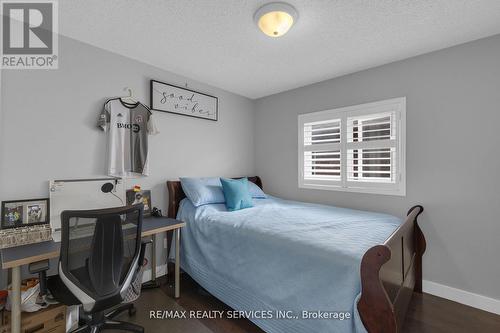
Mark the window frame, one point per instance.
(397, 105)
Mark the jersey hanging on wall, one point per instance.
(128, 126)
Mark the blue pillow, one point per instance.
(255, 191)
(208, 190)
(202, 191)
(236, 193)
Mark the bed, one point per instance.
(281, 258)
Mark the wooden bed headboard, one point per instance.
(176, 194)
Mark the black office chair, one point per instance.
(101, 253)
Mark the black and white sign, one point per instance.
(169, 98)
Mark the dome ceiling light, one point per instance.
(276, 18)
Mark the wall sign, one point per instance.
(169, 98)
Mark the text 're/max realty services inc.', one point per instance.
(257, 314)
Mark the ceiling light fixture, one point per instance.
(276, 18)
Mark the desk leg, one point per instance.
(16, 300)
(177, 235)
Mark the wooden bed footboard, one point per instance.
(390, 273)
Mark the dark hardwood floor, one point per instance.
(427, 313)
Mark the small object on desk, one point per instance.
(25, 235)
(137, 196)
(24, 222)
(107, 187)
(156, 212)
(23, 213)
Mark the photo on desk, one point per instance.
(137, 197)
(22, 213)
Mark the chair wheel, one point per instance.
(132, 311)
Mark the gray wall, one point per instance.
(47, 122)
(453, 114)
(48, 126)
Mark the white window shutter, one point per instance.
(371, 153)
(321, 156)
(372, 157)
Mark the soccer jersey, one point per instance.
(128, 126)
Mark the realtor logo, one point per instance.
(29, 34)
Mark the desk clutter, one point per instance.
(96, 211)
(51, 319)
(24, 222)
(25, 235)
(33, 255)
(38, 220)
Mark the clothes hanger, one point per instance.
(129, 98)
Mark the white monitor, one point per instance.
(79, 194)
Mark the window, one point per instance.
(357, 148)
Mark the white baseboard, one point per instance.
(461, 296)
(160, 271)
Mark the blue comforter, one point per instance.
(283, 256)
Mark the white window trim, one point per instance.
(395, 104)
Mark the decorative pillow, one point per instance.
(203, 191)
(208, 190)
(236, 193)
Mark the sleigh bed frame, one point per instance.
(390, 272)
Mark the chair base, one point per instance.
(100, 321)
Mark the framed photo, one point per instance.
(169, 98)
(23, 213)
(144, 197)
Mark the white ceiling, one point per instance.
(217, 42)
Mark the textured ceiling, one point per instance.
(217, 42)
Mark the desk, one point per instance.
(15, 257)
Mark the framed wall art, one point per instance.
(173, 99)
(23, 213)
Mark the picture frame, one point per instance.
(24, 213)
(165, 97)
(137, 197)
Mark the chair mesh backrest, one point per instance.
(99, 248)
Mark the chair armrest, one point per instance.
(39, 266)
